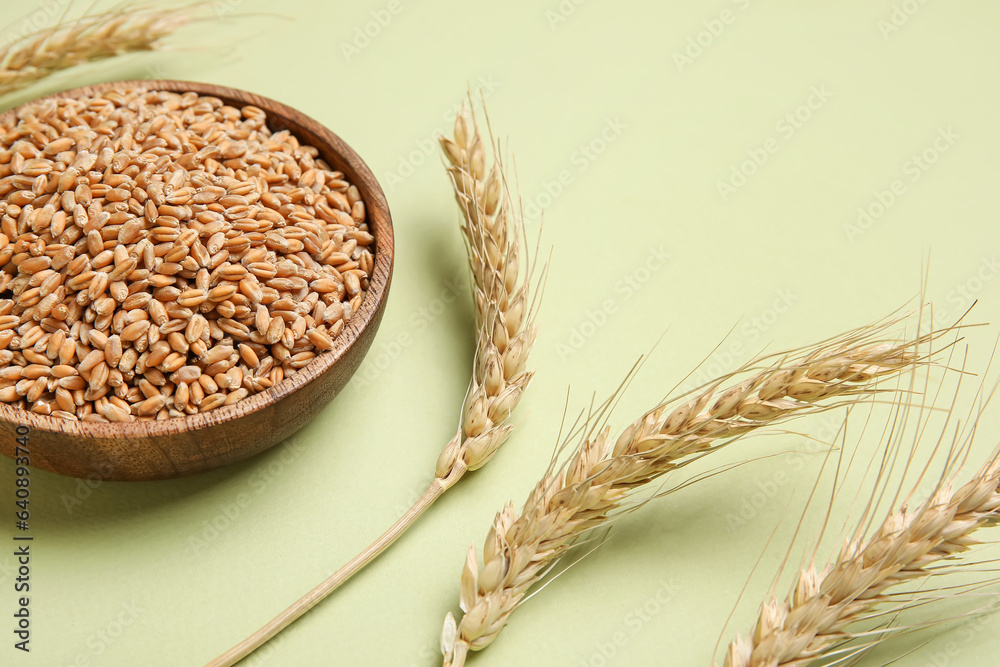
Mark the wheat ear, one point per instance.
(815, 619)
(505, 332)
(86, 39)
(585, 492)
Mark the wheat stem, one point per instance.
(493, 234)
(335, 580)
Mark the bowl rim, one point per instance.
(380, 223)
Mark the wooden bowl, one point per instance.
(186, 445)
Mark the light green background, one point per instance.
(126, 559)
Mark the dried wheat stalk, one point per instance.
(125, 29)
(505, 333)
(815, 620)
(591, 487)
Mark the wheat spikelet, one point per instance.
(815, 620)
(494, 236)
(586, 491)
(86, 39)
(493, 232)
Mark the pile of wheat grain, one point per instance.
(164, 254)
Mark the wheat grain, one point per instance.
(585, 492)
(102, 272)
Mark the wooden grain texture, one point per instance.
(150, 450)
